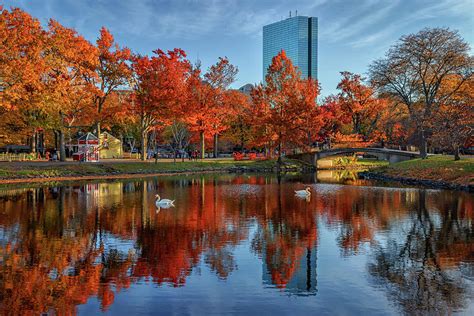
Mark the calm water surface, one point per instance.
(235, 244)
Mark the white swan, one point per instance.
(163, 203)
(303, 193)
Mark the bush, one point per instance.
(345, 161)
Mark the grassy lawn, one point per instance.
(188, 165)
(371, 163)
(436, 167)
(49, 170)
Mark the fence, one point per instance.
(16, 157)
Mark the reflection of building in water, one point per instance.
(102, 194)
(304, 281)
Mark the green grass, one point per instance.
(187, 165)
(437, 167)
(50, 170)
(371, 162)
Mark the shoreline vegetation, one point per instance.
(436, 172)
(63, 171)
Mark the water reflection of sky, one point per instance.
(240, 244)
(342, 286)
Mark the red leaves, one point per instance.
(355, 112)
(209, 107)
(160, 84)
(285, 108)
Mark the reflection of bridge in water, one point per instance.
(391, 155)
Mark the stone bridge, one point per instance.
(392, 155)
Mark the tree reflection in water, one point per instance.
(62, 243)
(416, 264)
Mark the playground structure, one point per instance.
(87, 148)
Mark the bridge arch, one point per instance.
(391, 155)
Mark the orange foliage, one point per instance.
(57, 255)
(355, 113)
(285, 110)
(21, 62)
(209, 108)
(112, 69)
(159, 89)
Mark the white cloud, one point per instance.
(377, 21)
(350, 23)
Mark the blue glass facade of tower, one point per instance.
(298, 37)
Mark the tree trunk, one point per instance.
(41, 143)
(203, 145)
(423, 145)
(144, 145)
(98, 131)
(33, 141)
(279, 160)
(216, 141)
(155, 148)
(55, 140)
(456, 153)
(62, 148)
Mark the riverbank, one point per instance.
(437, 171)
(16, 172)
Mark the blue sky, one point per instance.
(351, 33)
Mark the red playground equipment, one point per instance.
(88, 148)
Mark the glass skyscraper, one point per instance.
(298, 37)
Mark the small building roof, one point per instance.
(108, 135)
(88, 136)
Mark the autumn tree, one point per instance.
(332, 119)
(21, 69)
(285, 107)
(393, 124)
(123, 120)
(220, 76)
(43, 72)
(358, 103)
(112, 72)
(240, 127)
(453, 124)
(416, 67)
(178, 137)
(207, 112)
(69, 58)
(159, 86)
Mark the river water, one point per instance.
(235, 244)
